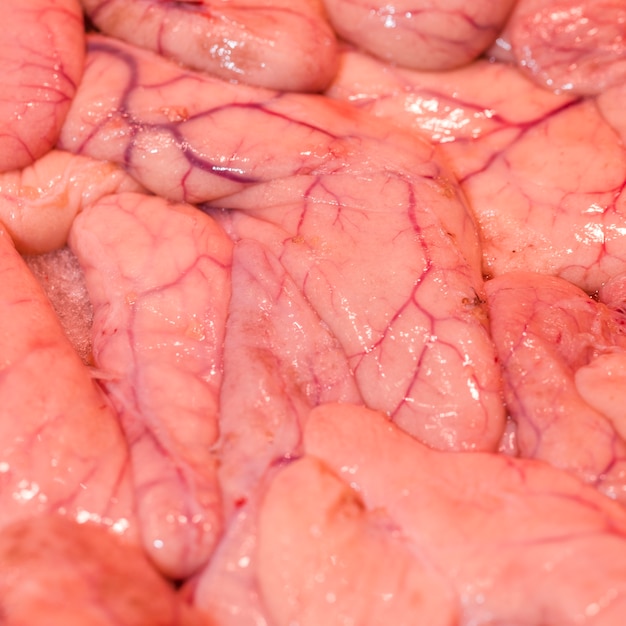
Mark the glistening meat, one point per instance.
(347, 357)
(281, 44)
(41, 62)
(555, 161)
(159, 314)
(396, 281)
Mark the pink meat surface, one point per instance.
(364, 218)
(41, 62)
(289, 392)
(554, 201)
(396, 335)
(422, 34)
(570, 45)
(281, 44)
(56, 572)
(158, 278)
(61, 449)
(323, 558)
(280, 360)
(39, 203)
(228, 588)
(512, 541)
(471, 112)
(611, 104)
(546, 331)
(544, 174)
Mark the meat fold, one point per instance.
(365, 220)
(543, 173)
(559, 350)
(409, 317)
(611, 104)
(323, 558)
(42, 51)
(158, 278)
(228, 588)
(554, 201)
(574, 46)
(434, 538)
(471, 112)
(421, 34)
(39, 203)
(57, 572)
(61, 448)
(280, 44)
(280, 360)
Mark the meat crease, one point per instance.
(313, 313)
(158, 278)
(280, 44)
(421, 34)
(42, 50)
(61, 573)
(61, 446)
(228, 588)
(324, 558)
(280, 360)
(39, 203)
(512, 541)
(471, 113)
(576, 46)
(555, 342)
(544, 174)
(397, 282)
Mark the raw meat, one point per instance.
(39, 202)
(227, 589)
(514, 541)
(280, 360)
(544, 174)
(341, 252)
(338, 266)
(569, 45)
(397, 282)
(281, 44)
(158, 278)
(611, 104)
(42, 49)
(61, 448)
(60, 573)
(422, 34)
(558, 348)
(325, 559)
(472, 112)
